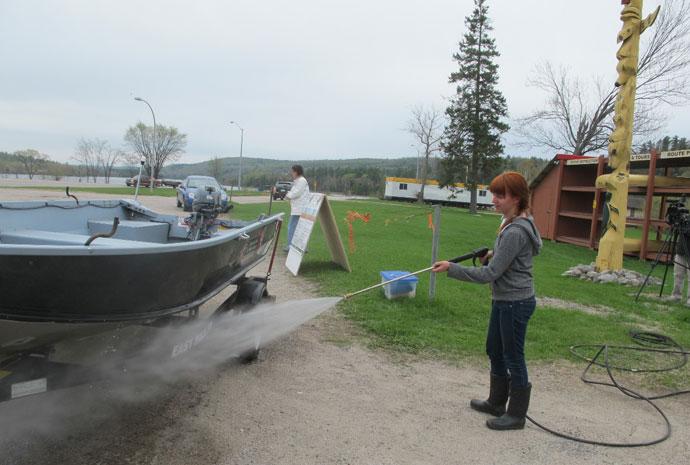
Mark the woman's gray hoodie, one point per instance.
(509, 273)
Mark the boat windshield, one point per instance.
(200, 183)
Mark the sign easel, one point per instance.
(316, 207)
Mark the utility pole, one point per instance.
(153, 154)
(239, 176)
(434, 250)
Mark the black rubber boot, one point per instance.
(498, 396)
(514, 418)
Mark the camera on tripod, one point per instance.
(677, 241)
(678, 215)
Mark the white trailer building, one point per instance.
(407, 189)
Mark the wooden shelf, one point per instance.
(580, 215)
(640, 221)
(579, 188)
(583, 241)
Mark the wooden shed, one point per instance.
(568, 208)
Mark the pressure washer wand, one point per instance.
(479, 253)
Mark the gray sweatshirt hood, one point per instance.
(527, 225)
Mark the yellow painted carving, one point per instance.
(610, 256)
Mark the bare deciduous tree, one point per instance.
(86, 154)
(170, 145)
(32, 160)
(216, 167)
(426, 125)
(96, 155)
(108, 157)
(577, 115)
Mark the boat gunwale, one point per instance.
(141, 247)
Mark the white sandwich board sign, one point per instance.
(316, 207)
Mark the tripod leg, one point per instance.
(670, 260)
(665, 245)
(663, 281)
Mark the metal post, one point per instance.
(136, 192)
(153, 155)
(416, 176)
(434, 250)
(239, 176)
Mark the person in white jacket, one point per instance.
(298, 196)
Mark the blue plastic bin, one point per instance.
(403, 289)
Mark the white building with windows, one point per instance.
(407, 189)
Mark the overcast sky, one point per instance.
(305, 78)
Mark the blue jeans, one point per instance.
(292, 225)
(505, 341)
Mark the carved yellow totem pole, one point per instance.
(610, 256)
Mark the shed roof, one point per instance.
(551, 165)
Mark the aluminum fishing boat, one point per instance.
(70, 268)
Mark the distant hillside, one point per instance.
(280, 169)
(360, 176)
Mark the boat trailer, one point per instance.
(34, 372)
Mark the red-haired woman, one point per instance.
(509, 273)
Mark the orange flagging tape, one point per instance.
(431, 223)
(352, 216)
(353, 248)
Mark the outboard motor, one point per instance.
(205, 210)
(207, 202)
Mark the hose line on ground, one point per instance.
(649, 342)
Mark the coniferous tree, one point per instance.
(664, 144)
(472, 139)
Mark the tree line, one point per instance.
(355, 180)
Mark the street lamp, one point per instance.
(153, 155)
(417, 175)
(239, 176)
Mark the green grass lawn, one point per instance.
(455, 323)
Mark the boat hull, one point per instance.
(115, 287)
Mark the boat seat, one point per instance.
(145, 231)
(39, 237)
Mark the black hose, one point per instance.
(116, 222)
(650, 342)
(71, 195)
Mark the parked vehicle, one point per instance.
(171, 182)
(282, 188)
(194, 186)
(145, 181)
